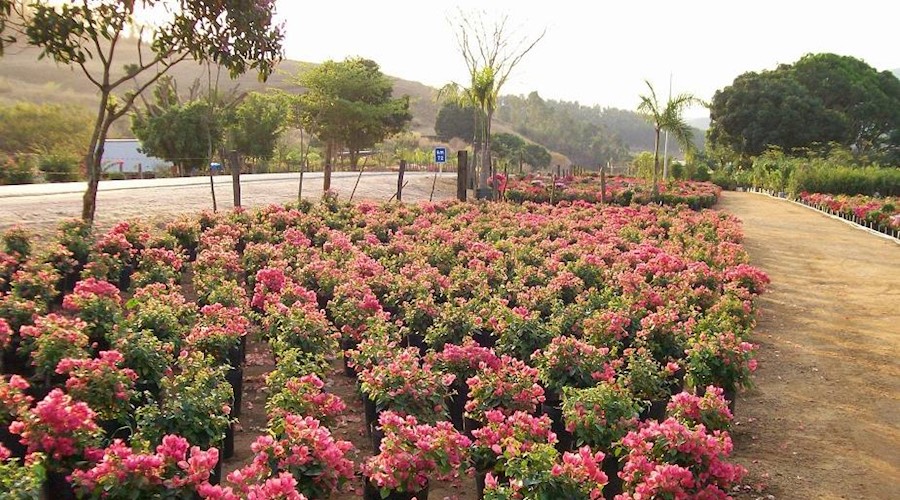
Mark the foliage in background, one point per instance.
(44, 128)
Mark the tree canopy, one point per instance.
(819, 99)
(44, 128)
(457, 121)
(258, 123)
(349, 104)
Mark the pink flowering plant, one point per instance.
(97, 303)
(303, 396)
(645, 377)
(51, 339)
(710, 410)
(308, 451)
(412, 453)
(465, 360)
(301, 325)
(403, 385)
(21, 481)
(158, 265)
(671, 460)
(218, 330)
(505, 436)
(571, 362)
(541, 473)
(36, 281)
(14, 401)
(599, 416)
(175, 469)
(163, 310)
(510, 387)
(61, 428)
(102, 382)
(720, 359)
(243, 484)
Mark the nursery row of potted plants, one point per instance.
(880, 214)
(449, 314)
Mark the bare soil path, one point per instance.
(823, 421)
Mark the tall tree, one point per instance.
(490, 53)
(349, 104)
(235, 34)
(536, 155)
(258, 123)
(454, 120)
(669, 118)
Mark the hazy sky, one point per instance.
(599, 52)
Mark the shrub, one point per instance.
(60, 168)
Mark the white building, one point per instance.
(124, 156)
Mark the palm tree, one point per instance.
(667, 118)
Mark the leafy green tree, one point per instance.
(235, 34)
(508, 148)
(44, 128)
(490, 54)
(258, 123)
(349, 104)
(457, 121)
(669, 118)
(536, 155)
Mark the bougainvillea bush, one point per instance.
(619, 190)
(882, 213)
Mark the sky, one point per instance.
(598, 52)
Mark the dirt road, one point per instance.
(41, 207)
(824, 419)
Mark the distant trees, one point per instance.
(257, 123)
(821, 98)
(349, 104)
(668, 118)
(235, 34)
(454, 120)
(44, 128)
(536, 155)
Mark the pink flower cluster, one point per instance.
(510, 387)
(101, 382)
(467, 359)
(58, 426)
(6, 334)
(413, 452)
(402, 384)
(568, 361)
(672, 460)
(13, 400)
(91, 290)
(175, 466)
(711, 410)
(583, 467)
(304, 396)
(505, 436)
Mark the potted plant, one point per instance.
(98, 304)
(303, 396)
(401, 384)
(570, 362)
(18, 480)
(510, 387)
(14, 402)
(711, 410)
(720, 359)
(410, 455)
(503, 437)
(104, 384)
(243, 484)
(542, 473)
(670, 460)
(463, 361)
(599, 416)
(174, 470)
(49, 340)
(163, 310)
(309, 452)
(301, 325)
(218, 333)
(648, 381)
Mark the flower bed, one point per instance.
(619, 190)
(881, 214)
(435, 304)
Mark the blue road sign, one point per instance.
(440, 155)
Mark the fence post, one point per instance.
(462, 174)
(235, 161)
(602, 184)
(558, 171)
(400, 180)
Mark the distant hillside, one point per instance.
(896, 72)
(25, 78)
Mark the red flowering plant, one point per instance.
(157, 265)
(570, 362)
(103, 383)
(14, 402)
(21, 481)
(610, 326)
(711, 410)
(720, 359)
(243, 484)
(401, 384)
(671, 460)
(8, 266)
(510, 387)
(541, 473)
(457, 319)
(218, 331)
(162, 310)
(599, 416)
(215, 265)
(307, 450)
(523, 332)
(505, 436)
(175, 469)
(303, 396)
(52, 338)
(411, 453)
(98, 303)
(61, 428)
(274, 288)
(147, 356)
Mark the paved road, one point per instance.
(824, 419)
(41, 206)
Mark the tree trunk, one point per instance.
(656, 165)
(485, 173)
(326, 183)
(94, 160)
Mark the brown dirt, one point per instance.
(823, 421)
